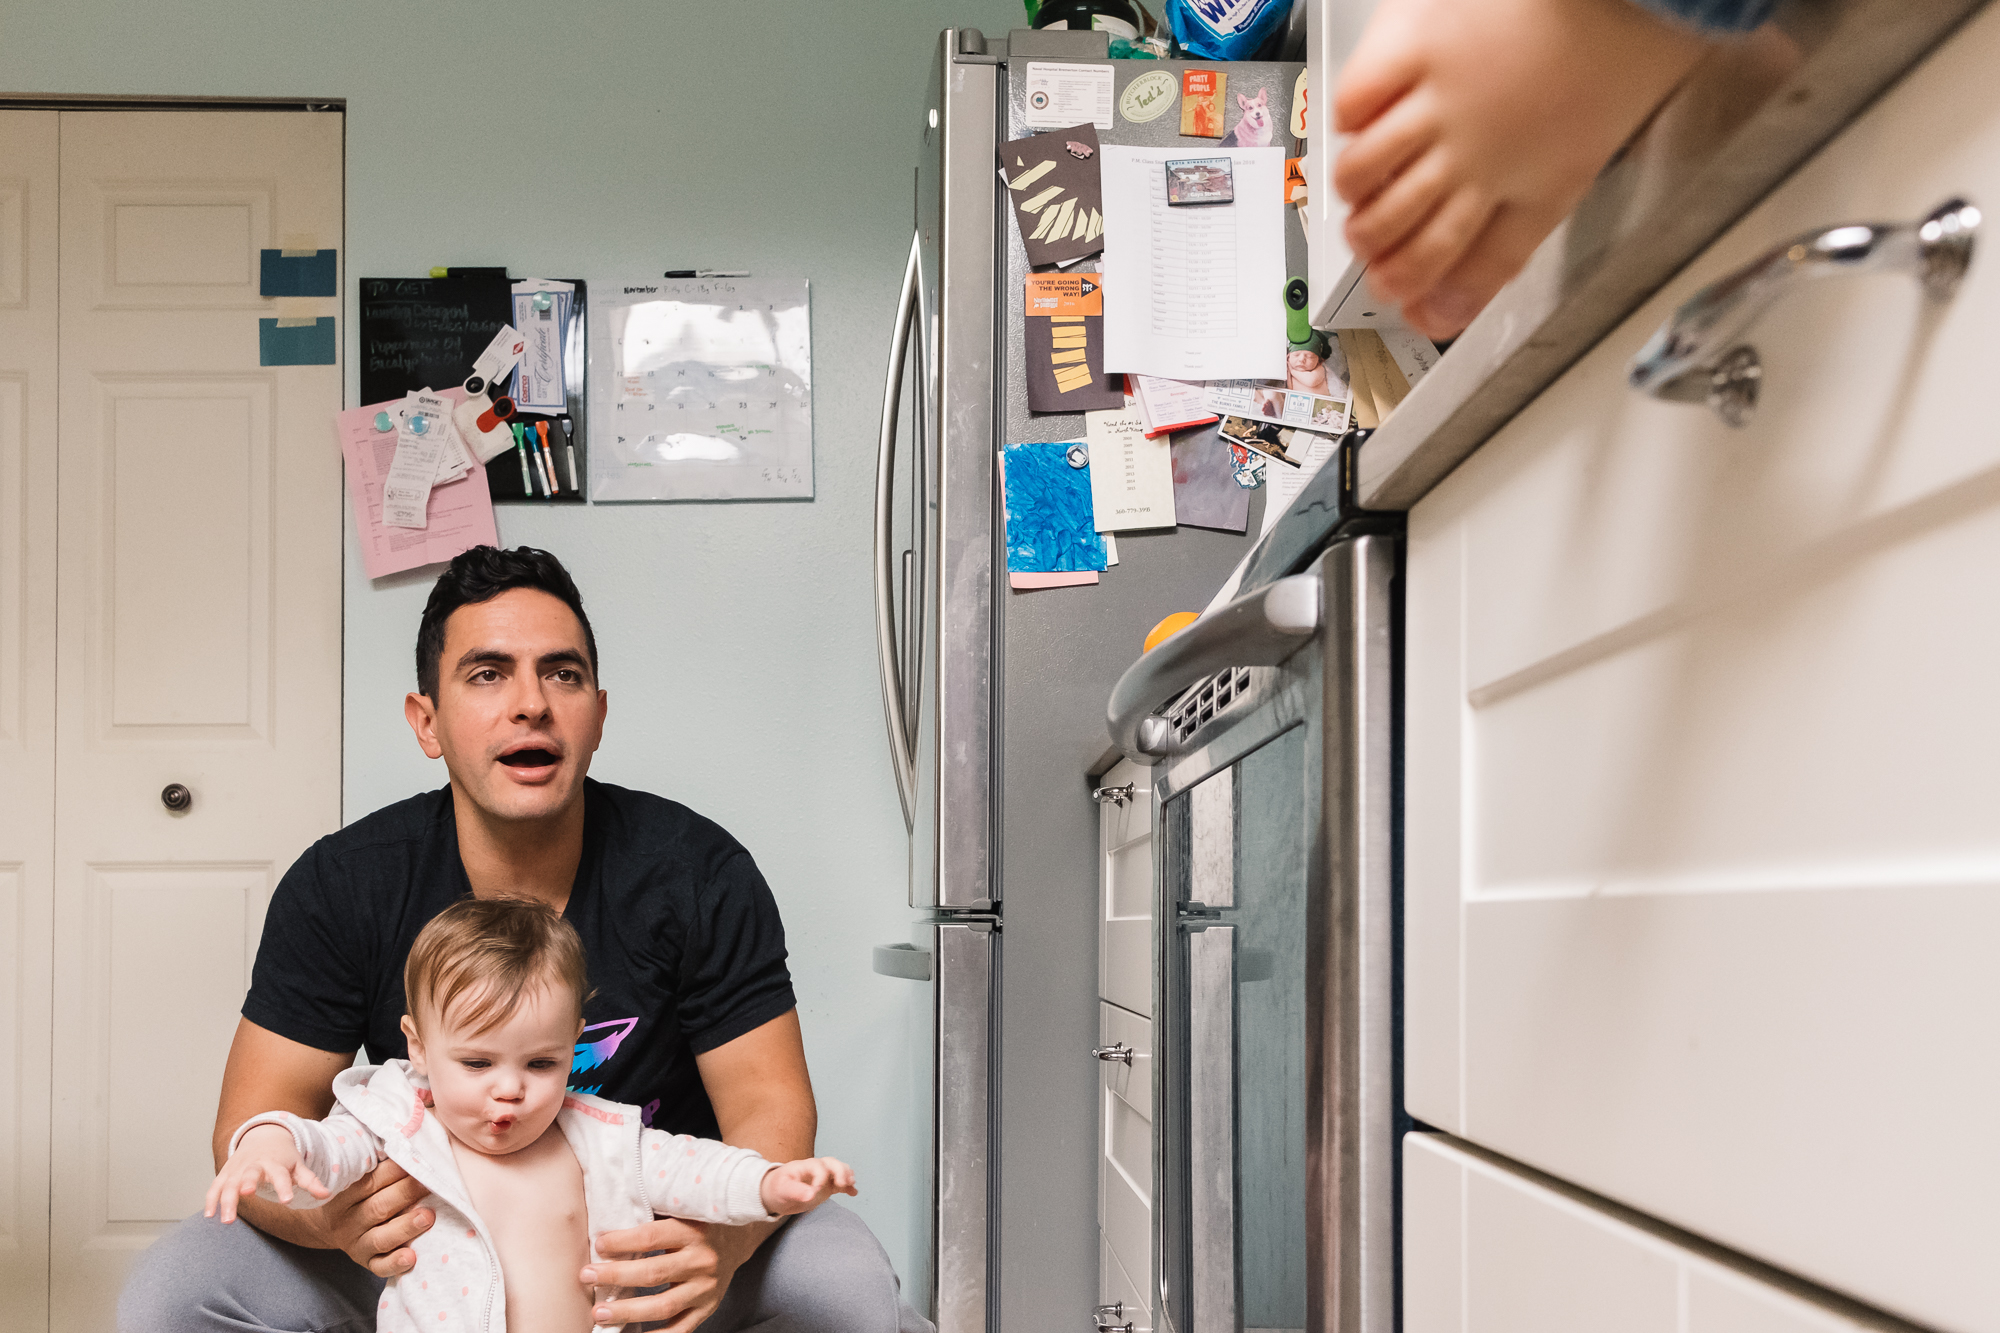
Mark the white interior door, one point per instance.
(1703, 876)
(198, 642)
(27, 692)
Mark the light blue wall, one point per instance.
(606, 141)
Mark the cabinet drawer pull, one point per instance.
(1117, 1050)
(1698, 355)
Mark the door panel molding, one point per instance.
(214, 229)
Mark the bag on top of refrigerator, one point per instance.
(1225, 29)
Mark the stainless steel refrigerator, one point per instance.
(994, 702)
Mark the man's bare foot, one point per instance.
(1478, 125)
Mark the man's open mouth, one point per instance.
(529, 758)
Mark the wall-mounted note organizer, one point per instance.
(425, 333)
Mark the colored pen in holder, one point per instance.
(569, 448)
(521, 448)
(548, 459)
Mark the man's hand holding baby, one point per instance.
(265, 1153)
(801, 1186)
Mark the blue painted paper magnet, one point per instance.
(280, 274)
(300, 345)
(1051, 527)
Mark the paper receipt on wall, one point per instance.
(1059, 96)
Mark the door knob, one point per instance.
(176, 797)
(1117, 1050)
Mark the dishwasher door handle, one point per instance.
(1260, 628)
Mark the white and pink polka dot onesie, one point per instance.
(630, 1175)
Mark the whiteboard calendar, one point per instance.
(701, 389)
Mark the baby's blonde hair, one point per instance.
(487, 953)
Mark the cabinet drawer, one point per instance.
(1703, 872)
(1487, 1250)
(1125, 891)
(1125, 1141)
(1117, 1288)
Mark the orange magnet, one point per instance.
(502, 410)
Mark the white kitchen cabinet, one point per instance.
(1125, 1035)
(1337, 284)
(1703, 873)
(1125, 888)
(1125, 1162)
(1487, 1249)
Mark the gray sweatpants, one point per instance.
(823, 1272)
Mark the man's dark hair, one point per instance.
(480, 575)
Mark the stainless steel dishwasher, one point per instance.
(1271, 722)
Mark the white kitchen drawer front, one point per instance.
(1703, 757)
(1121, 1299)
(1488, 1250)
(1125, 1141)
(1125, 890)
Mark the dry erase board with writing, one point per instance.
(425, 333)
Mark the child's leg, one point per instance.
(1478, 125)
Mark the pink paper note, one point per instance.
(1028, 582)
(460, 514)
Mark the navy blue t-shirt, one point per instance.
(681, 934)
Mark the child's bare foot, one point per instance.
(1478, 125)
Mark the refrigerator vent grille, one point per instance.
(1200, 705)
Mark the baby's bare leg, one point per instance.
(1478, 125)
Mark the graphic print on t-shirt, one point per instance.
(590, 1054)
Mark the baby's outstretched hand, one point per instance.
(801, 1186)
(266, 1153)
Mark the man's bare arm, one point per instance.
(761, 1092)
(373, 1220)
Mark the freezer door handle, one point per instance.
(967, 966)
(886, 651)
(1260, 628)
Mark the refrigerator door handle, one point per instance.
(886, 651)
(1260, 628)
(1211, 1123)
